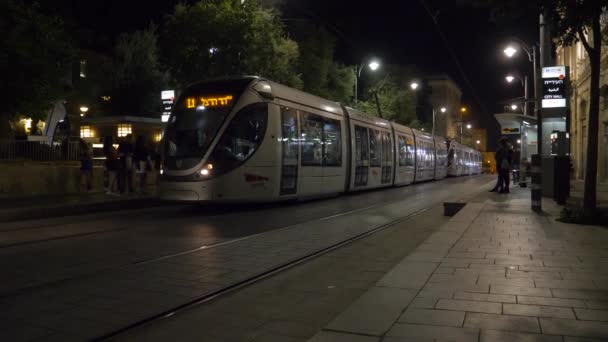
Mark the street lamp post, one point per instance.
(373, 65)
(536, 186)
(414, 86)
(443, 110)
(524, 83)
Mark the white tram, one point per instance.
(252, 140)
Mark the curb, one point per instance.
(77, 209)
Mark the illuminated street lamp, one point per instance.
(373, 65)
(510, 51)
(514, 107)
(509, 78)
(478, 142)
(414, 85)
(469, 126)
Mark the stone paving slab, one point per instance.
(502, 273)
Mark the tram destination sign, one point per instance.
(554, 87)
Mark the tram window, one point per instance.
(332, 143)
(361, 145)
(312, 136)
(375, 148)
(242, 137)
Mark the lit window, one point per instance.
(86, 132)
(123, 130)
(158, 137)
(83, 68)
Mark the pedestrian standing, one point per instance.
(86, 165)
(499, 156)
(506, 165)
(112, 166)
(125, 153)
(141, 158)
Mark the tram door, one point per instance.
(290, 151)
(361, 156)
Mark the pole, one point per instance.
(433, 129)
(526, 95)
(356, 81)
(461, 124)
(378, 103)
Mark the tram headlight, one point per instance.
(204, 172)
(209, 166)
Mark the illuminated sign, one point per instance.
(513, 130)
(554, 72)
(554, 87)
(167, 97)
(215, 101)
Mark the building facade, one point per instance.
(575, 57)
(446, 93)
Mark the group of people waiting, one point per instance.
(126, 164)
(504, 163)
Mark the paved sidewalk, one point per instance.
(70, 204)
(495, 272)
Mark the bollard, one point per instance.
(536, 184)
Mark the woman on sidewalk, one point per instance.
(141, 158)
(112, 165)
(86, 165)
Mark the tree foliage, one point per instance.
(35, 58)
(320, 73)
(213, 38)
(138, 76)
(396, 99)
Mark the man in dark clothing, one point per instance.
(506, 164)
(499, 156)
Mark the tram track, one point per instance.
(255, 278)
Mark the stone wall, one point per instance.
(28, 178)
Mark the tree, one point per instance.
(224, 37)
(137, 74)
(574, 20)
(35, 58)
(320, 73)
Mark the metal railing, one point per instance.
(33, 150)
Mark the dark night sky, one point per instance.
(397, 32)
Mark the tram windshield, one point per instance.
(196, 120)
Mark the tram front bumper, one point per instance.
(185, 191)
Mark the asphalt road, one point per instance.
(123, 251)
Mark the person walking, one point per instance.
(86, 165)
(141, 159)
(112, 166)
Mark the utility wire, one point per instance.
(453, 55)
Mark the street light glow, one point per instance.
(443, 109)
(463, 109)
(478, 142)
(509, 78)
(84, 109)
(510, 51)
(513, 106)
(469, 126)
(518, 141)
(414, 85)
(374, 65)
